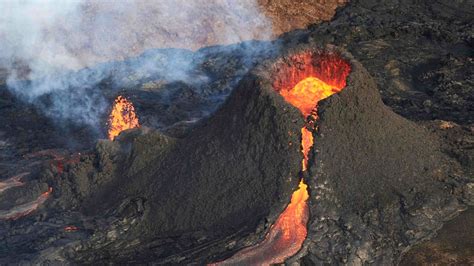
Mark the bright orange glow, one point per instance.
(317, 77)
(122, 117)
(284, 238)
(307, 93)
(328, 67)
(306, 144)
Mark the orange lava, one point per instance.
(330, 68)
(287, 234)
(122, 117)
(306, 144)
(307, 93)
(318, 76)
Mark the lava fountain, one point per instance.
(122, 117)
(318, 76)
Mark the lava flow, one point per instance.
(26, 208)
(321, 76)
(122, 117)
(12, 182)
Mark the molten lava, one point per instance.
(330, 68)
(307, 93)
(306, 144)
(287, 235)
(122, 117)
(318, 77)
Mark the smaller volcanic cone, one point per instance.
(122, 117)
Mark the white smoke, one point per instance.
(45, 42)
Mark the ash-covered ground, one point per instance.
(420, 55)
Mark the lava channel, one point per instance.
(122, 117)
(287, 234)
(12, 182)
(26, 208)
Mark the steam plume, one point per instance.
(45, 43)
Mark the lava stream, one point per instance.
(26, 208)
(122, 117)
(12, 182)
(287, 235)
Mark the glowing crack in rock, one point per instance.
(306, 144)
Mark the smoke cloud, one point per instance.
(52, 48)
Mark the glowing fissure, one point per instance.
(306, 144)
(26, 208)
(122, 117)
(322, 76)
